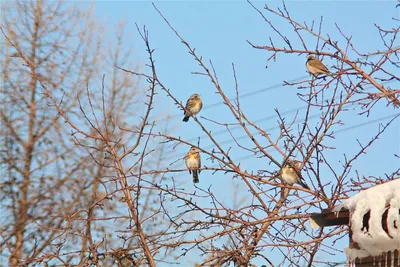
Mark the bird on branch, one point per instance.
(291, 173)
(193, 163)
(316, 67)
(193, 106)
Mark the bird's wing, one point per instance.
(186, 106)
(299, 175)
(318, 64)
(324, 68)
(191, 103)
(296, 165)
(198, 154)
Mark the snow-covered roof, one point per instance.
(373, 239)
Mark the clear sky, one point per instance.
(218, 31)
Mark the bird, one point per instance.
(291, 174)
(193, 106)
(315, 66)
(122, 258)
(193, 163)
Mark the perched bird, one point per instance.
(193, 106)
(123, 259)
(193, 163)
(291, 174)
(315, 66)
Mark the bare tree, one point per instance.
(61, 190)
(34, 136)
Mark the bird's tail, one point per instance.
(195, 176)
(186, 118)
(303, 185)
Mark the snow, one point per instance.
(373, 241)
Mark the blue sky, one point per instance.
(219, 30)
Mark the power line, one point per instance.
(338, 131)
(243, 96)
(258, 121)
(294, 110)
(272, 87)
(350, 128)
(271, 116)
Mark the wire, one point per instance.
(351, 127)
(258, 121)
(243, 96)
(338, 132)
(272, 87)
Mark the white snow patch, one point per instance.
(374, 240)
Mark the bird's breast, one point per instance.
(192, 162)
(289, 177)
